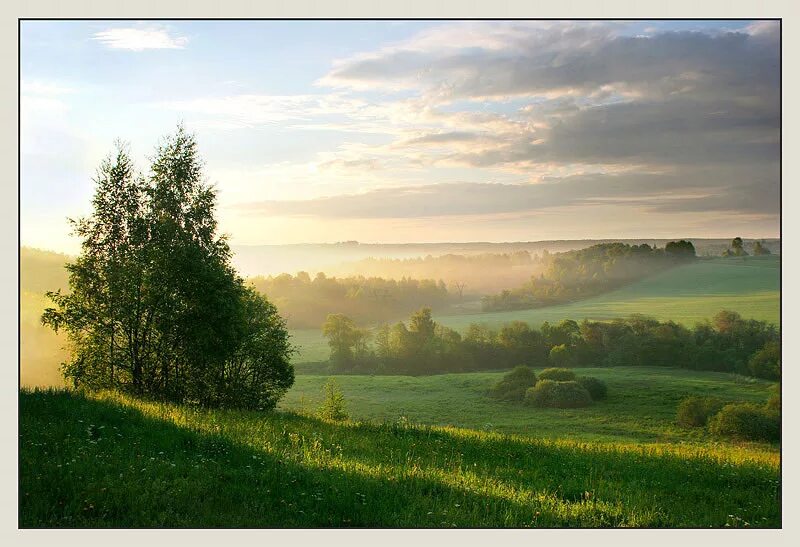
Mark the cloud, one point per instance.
(537, 116)
(140, 39)
(702, 190)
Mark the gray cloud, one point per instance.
(596, 97)
(751, 192)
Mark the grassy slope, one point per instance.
(640, 408)
(686, 294)
(113, 461)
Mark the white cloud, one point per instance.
(139, 39)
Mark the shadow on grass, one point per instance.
(94, 463)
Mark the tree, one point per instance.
(759, 249)
(348, 343)
(155, 306)
(737, 248)
(679, 249)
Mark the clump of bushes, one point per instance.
(557, 375)
(596, 387)
(514, 384)
(695, 411)
(746, 422)
(555, 394)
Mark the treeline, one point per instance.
(464, 274)
(306, 302)
(588, 272)
(728, 343)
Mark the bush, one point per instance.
(552, 394)
(695, 411)
(596, 388)
(774, 402)
(514, 384)
(557, 375)
(746, 422)
(333, 406)
(766, 362)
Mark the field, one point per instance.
(111, 461)
(686, 294)
(640, 407)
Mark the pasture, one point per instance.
(112, 461)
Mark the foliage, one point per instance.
(348, 343)
(333, 405)
(596, 387)
(588, 272)
(557, 375)
(766, 362)
(746, 422)
(464, 274)
(154, 306)
(736, 248)
(513, 385)
(107, 461)
(774, 402)
(425, 346)
(307, 302)
(696, 411)
(554, 394)
(760, 249)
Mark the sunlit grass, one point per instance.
(111, 460)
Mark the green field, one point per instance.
(686, 294)
(113, 461)
(640, 407)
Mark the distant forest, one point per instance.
(305, 302)
(470, 274)
(587, 272)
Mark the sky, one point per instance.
(417, 131)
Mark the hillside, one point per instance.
(111, 461)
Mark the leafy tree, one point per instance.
(348, 343)
(155, 306)
(736, 249)
(759, 249)
(680, 249)
(766, 362)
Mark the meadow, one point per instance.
(112, 461)
(685, 294)
(640, 407)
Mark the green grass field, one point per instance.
(686, 294)
(112, 461)
(640, 407)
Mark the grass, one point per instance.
(640, 408)
(112, 461)
(686, 294)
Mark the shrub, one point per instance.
(552, 394)
(514, 384)
(557, 375)
(695, 411)
(746, 422)
(333, 406)
(766, 362)
(774, 402)
(596, 388)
